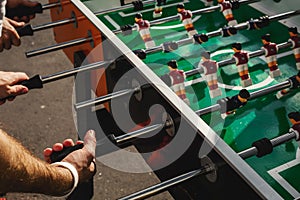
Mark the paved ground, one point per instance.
(43, 117)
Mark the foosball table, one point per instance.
(141, 79)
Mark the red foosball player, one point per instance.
(158, 8)
(143, 27)
(177, 81)
(294, 118)
(294, 82)
(210, 68)
(186, 18)
(227, 12)
(271, 50)
(229, 105)
(241, 60)
(295, 40)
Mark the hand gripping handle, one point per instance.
(21, 11)
(32, 83)
(84, 191)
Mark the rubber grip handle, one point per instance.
(34, 82)
(25, 30)
(21, 11)
(57, 156)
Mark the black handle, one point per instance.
(21, 11)
(57, 156)
(32, 83)
(25, 30)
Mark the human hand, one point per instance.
(82, 159)
(9, 34)
(8, 87)
(15, 7)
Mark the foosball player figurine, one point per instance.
(295, 83)
(210, 69)
(295, 40)
(158, 8)
(241, 60)
(177, 78)
(229, 105)
(186, 18)
(271, 50)
(294, 118)
(208, 2)
(143, 27)
(226, 7)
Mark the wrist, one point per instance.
(73, 171)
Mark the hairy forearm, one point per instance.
(22, 172)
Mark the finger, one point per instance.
(90, 143)
(68, 143)
(58, 147)
(47, 153)
(14, 38)
(79, 142)
(32, 16)
(1, 44)
(17, 90)
(6, 40)
(19, 77)
(30, 3)
(93, 167)
(25, 19)
(2, 102)
(16, 18)
(11, 98)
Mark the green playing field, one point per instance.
(262, 117)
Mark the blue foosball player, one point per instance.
(229, 105)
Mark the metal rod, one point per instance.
(74, 71)
(51, 5)
(284, 15)
(232, 60)
(195, 12)
(208, 109)
(52, 24)
(57, 46)
(252, 151)
(70, 20)
(121, 8)
(103, 99)
(135, 134)
(243, 25)
(273, 88)
(253, 95)
(166, 184)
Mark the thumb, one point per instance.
(17, 90)
(29, 3)
(90, 143)
(15, 23)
